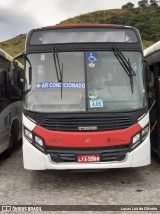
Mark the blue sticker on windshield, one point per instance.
(92, 57)
(50, 85)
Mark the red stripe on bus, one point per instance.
(87, 139)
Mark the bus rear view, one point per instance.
(85, 104)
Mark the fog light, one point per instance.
(136, 138)
(39, 141)
(28, 134)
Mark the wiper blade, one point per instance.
(57, 64)
(126, 64)
(132, 74)
(59, 70)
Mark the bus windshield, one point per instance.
(92, 82)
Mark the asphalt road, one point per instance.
(135, 186)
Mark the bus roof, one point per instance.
(153, 48)
(9, 58)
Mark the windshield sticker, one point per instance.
(42, 57)
(91, 65)
(92, 57)
(40, 69)
(96, 103)
(93, 94)
(50, 85)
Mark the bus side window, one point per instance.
(15, 91)
(17, 86)
(2, 84)
(4, 68)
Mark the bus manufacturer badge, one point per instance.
(87, 128)
(87, 140)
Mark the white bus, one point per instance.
(10, 104)
(152, 57)
(85, 103)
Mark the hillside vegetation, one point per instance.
(146, 20)
(15, 45)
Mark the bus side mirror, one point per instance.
(22, 55)
(16, 76)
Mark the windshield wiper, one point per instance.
(126, 64)
(59, 70)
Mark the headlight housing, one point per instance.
(136, 139)
(139, 137)
(28, 134)
(34, 139)
(39, 141)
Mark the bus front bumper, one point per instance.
(33, 159)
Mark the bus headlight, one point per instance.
(39, 141)
(35, 140)
(145, 131)
(136, 138)
(140, 136)
(28, 134)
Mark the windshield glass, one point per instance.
(92, 81)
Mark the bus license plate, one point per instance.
(88, 158)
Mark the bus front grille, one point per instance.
(87, 124)
(107, 154)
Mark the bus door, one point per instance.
(154, 107)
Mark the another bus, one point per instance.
(152, 56)
(85, 103)
(10, 104)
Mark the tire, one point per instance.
(6, 154)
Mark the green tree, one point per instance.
(154, 3)
(129, 5)
(143, 3)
